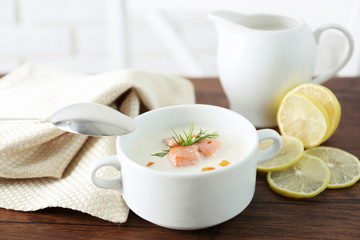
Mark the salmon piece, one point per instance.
(170, 142)
(184, 156)
(208, 146)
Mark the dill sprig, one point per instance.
(190, 138)
(187, 139)
(160, 154)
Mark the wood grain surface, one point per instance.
(334, 214)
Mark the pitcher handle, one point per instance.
(326, 76)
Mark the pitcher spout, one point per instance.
(229, 22)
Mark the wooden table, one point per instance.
(334, 214)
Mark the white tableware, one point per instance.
(262, 56)
(86, 118)
(188, 200)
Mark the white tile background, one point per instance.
(81, 35)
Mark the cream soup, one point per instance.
(232, 149)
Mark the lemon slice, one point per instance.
(326, 98)
(301, 117)
(291, 151)
(308, 177)
(344, 167)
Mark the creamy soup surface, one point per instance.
(232, 149)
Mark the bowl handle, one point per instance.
(114, 183)
(274, 149)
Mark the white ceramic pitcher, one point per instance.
(262, 56)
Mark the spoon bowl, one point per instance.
(90, 119)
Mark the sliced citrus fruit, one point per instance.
(308, 177)
(344, 167)
(301, 117)
(326, 98)
(291, 151)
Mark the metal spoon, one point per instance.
(90, 119)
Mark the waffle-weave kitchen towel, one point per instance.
(42, 166)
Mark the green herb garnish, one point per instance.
(188, 139)
(161, 154)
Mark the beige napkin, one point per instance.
(42, 166)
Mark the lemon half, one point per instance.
(326, 98)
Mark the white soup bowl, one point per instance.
(188, 200)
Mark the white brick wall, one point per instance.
(20, 40)
(90, 40)
(7, 11)
(67, 34)
(73, 34)
(61, 11)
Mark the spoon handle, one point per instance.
(23, 120)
